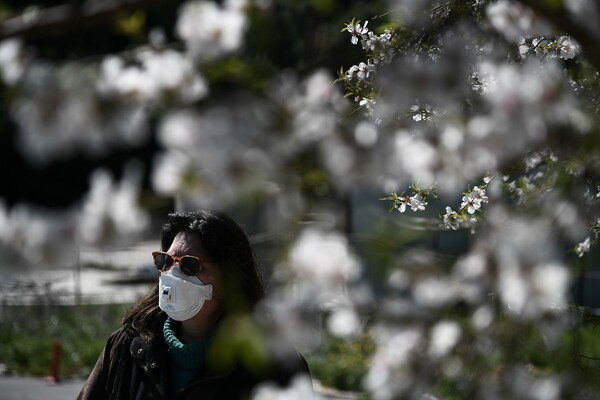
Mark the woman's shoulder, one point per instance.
(120, 334)
(118, 339)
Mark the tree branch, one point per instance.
(66, 17)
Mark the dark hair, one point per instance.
(226, 244)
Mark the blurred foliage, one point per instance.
(534, 349)
(28, 334)
(342, 363)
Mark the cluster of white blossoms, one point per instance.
(13, 61)
(312, 289)
(422, 112)
(472, 200)
(583, 247)
(91, 107)
(369, 105)
(415, 203)
(417, 344)
(111, 212)
(337, 265)
(323, 266)
(379, 45)
(563, 47)
(531, 281)
(192, 165)
(360, 71)
(471, 203)
(151, 76)
(513, 109)
(33, 235)
(52, 117)
(381, 50)
(315, 104)
(59, 113)
(451, 219)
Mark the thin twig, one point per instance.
(588, 358)
(350, 113)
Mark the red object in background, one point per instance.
(54, 376)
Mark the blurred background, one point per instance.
(298, 119)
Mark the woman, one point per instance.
(191, 336)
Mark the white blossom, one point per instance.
(364, 69)
(444, 336)
(583, 247)
(111, 211)
(300, 388)
(436, 292)
(400, 205)
(479, 195)
(351, 73)
(12, 61)
(210, 30)
(366, 134)
(324, 258)
(523, 48)
(356, 31)
(421, 113)
(388, 373)
(451, 219)
(343, 322)
(568, 48)
(169, 171)
(316, 105)
(548, 285)
(416, 203)
(413, 157)
(369, 104)
(482, 318)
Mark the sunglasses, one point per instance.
(190, 265)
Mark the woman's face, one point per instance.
(188, 244)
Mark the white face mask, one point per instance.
(181, 296)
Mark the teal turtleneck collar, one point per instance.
(186, 359)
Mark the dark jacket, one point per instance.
(130, 367)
